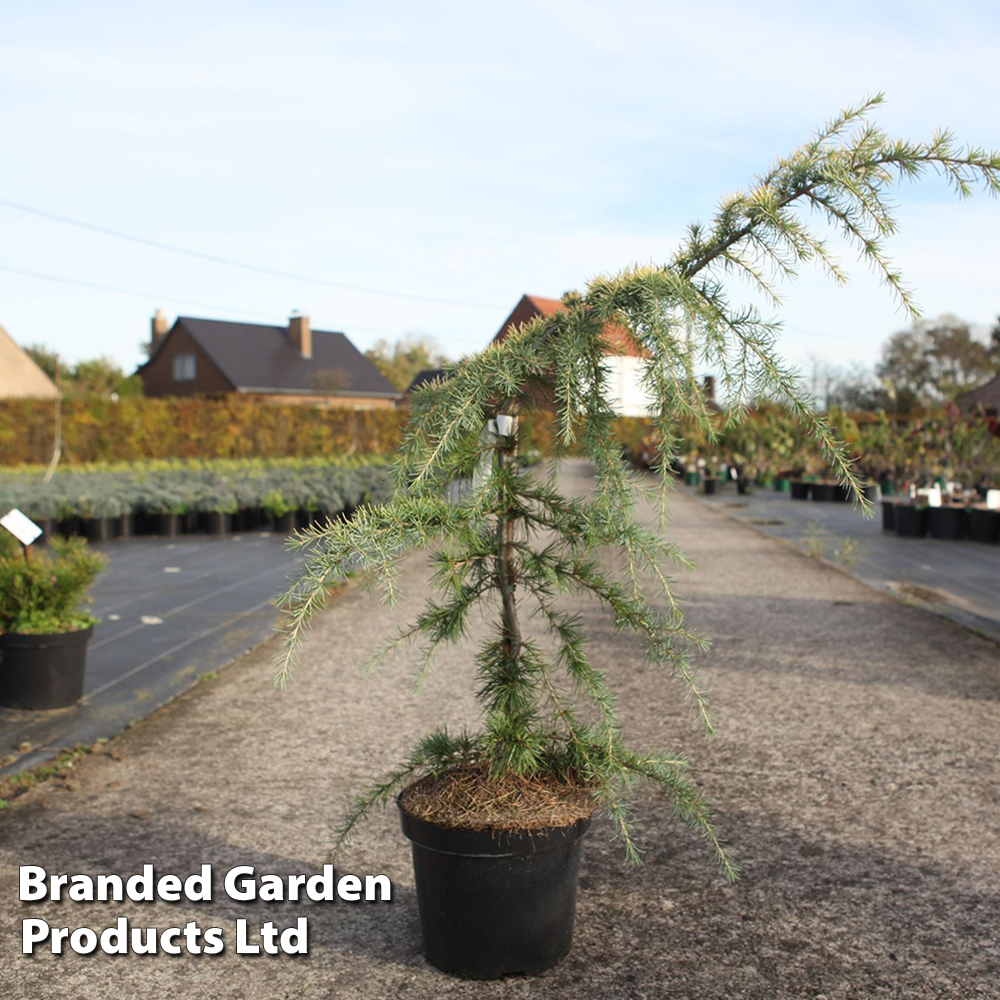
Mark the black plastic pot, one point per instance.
(70, 526)
(248, 519)
(742, 486)
(125, 526)
(492, 903)
(99, 529)
(947, 523)
(800, 489)
(710, 484)
(911, 521)
(42, 671)
(214, 522)
(286, 523)
(824, 491)
(984, 525)
(888, 515)
(166, 525)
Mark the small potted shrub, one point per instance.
(44, 624)
(496, 816)
(277, 508)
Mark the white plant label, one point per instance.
(20, 526)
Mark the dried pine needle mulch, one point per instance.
(471, 800)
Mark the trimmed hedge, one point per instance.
(102, 430)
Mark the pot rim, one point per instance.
(490, 842)
(43, 640)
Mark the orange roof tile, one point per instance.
(618, 339)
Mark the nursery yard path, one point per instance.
(855, 775)
(958, 579)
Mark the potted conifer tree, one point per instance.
(496, 816)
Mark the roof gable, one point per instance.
(618, 339)
(19, 375)
(254, 357)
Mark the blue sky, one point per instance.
(459, 151)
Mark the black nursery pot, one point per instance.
(166, 525)
(42, 671)
(492, 903)
(825, 491)
(286, 523)
(214, 522)
(711, 484)
(946, 523)
(801, 489)
(99, 529)
(888, 515)
(984, 525)
(911, 521)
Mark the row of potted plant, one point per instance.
(168, 497)
(954, 518)
(773, 444)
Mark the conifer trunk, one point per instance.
(507, 573)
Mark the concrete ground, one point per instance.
(856, 777)
(959, 579)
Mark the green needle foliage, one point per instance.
(512, 542)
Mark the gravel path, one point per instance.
(856, 776)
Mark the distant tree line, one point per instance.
(929, 364)
(401, 361)
(97, 377)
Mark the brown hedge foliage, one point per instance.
(96, 430)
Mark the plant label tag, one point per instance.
(505, 426)
(20, 526)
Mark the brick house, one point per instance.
(280, 364)
(624, 355)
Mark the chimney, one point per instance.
(708, 388)
(159, 326)
(300, 334)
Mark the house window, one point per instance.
(184, 367)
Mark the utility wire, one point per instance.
(80, 283)
(230, 262)
(148, 296)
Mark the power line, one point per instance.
(114, 289)
(230, 262)
(150, 297)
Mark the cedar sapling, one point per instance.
(513, 542)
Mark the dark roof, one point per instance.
(988, 395)
(427, 375)
(262, 358)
